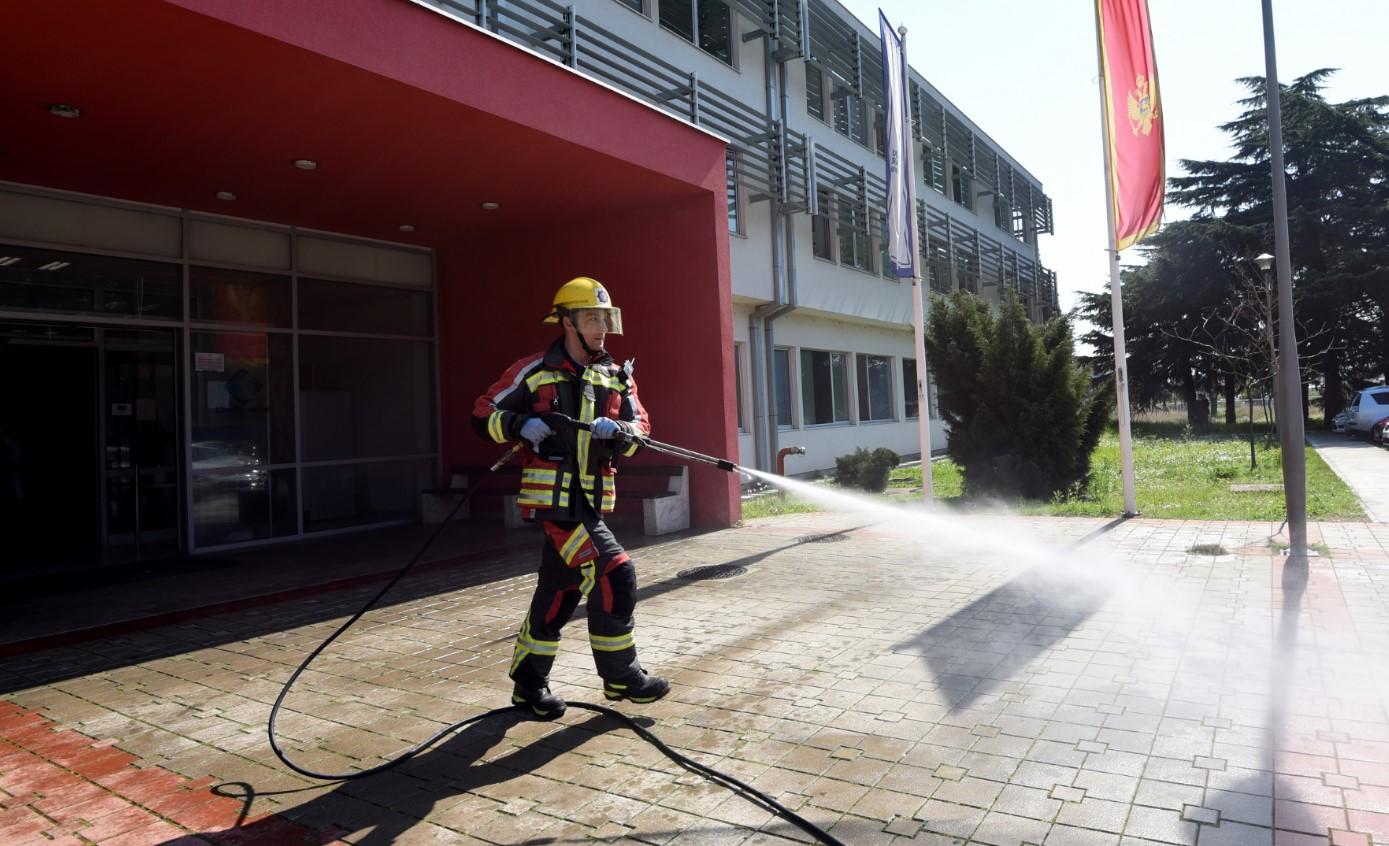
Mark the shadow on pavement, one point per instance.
(393, 802)
(984, 645)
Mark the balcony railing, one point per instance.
(773, 161)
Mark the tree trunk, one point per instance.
(1253, 456)
(1333, 389)
(1306, 400)
(1189, 395)
(1230, 400)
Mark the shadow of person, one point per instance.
(392, 802)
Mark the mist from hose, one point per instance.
(941, 533)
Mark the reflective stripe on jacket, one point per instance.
(567, 462)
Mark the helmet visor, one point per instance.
(607, 320)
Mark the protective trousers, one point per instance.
(579, 560)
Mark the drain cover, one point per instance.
(713, 571)
(830, 538)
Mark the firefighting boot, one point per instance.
(641, 688)
(542, 702)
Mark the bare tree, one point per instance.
(1240, 336)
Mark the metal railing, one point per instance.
(776, 162)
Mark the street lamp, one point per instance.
(1264, 261)
(1290, 435)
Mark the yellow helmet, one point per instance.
(583, 293)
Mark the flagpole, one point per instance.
(920, 307)
(1116, 302)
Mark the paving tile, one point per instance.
(999, 829)
(1160, 825)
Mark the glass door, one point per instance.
(138, 409)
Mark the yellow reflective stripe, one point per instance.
(601, 643)
(585, 415)
(537, 474)
(574, 544)
(544, 377)
(494, 427)
(527, 645)
(534, 646)
(588, 581)
(602, 380)
(631, 448)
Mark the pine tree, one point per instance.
(1024, 418)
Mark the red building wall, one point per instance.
(667, 268)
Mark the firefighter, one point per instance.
(567, 485)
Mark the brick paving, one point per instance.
(1121, 692)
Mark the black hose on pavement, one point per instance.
(751, 793)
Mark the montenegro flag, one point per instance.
(1133, 119)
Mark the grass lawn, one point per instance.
(1179, 476)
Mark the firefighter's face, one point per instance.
(594, 324)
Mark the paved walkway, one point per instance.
(1363, 466)
(1118, 689)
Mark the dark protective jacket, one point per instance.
(568, 465)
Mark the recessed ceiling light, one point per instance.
(491, 206)
(63, 110)
(306, 164)
(225, 195)
(54, 265)
(6, 261)
(406, 227)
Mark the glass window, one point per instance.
(56, 280)
(1381, 398)
(821, 227)
(814, 92)
(678, 17)
(234, 296)
(239, 502)
(350, 307)
(365, 397)
(824, 387)
(909, 387)
(705, 23)
(638, 6)
(716, 29)
(781, 363)
(735, 220)
(342, 495)
(243, 400)
(738, 384)
(874, 387)
(855, 246)
(850, 117)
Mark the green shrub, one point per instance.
(865, 470)
(1024, 418)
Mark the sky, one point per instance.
(1024, 71)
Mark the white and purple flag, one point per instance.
(901, 193)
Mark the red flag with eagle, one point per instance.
(1133, 119)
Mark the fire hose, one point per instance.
(557, 422)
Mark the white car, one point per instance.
(1368, 406)
(1340, 421)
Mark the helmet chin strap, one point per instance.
(583, 342)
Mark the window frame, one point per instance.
(863, 388)
(733, 191)
(694, 40)
(843, 357)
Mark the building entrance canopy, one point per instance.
(385, 119)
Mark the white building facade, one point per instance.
(824, 343)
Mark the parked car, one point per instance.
(1377, 431)
(1366, 408)
(1340, 421)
